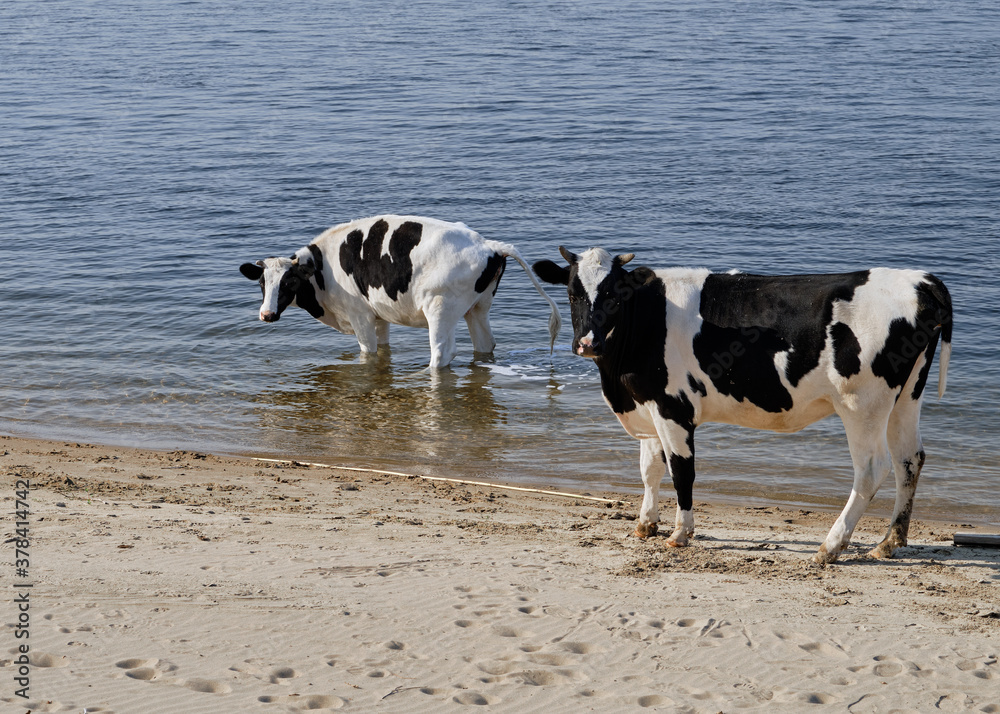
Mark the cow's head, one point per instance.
(598, 284)
(282, 280)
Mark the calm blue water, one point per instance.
(147, 150)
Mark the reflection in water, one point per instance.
(365, 412)
(535, 420)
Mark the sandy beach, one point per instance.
(188, 582)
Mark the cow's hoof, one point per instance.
(645, 530)
(678, 540)
(883, 551)
(824, 557)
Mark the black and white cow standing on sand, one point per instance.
(361, 276)
(679, 347)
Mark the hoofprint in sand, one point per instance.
(182, 582)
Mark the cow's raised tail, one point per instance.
(509, 251)
(940, 300)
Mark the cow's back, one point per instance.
(778, 352)
(396, 264)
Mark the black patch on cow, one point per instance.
(740, 363)
(682, 474)
(306, 299)
(750, 318)
(677, 408)
(317, 255)
(907, 341)
(846, 350)
(362, 258)
(895, 361)
(495, 266)
(697, 385)
(631, 364)
(918, 387)
(935, 302)
(295, 285)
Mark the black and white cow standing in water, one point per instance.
(361, 276)
(679, 347)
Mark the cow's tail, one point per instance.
(942, 304)
(509, 251)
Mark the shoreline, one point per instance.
(182, 581)
(706, 490)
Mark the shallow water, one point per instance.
(147, 153)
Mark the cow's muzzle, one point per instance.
(587, 347)
(269, 316)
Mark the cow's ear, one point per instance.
(623, 258)
(551, 273)
(252, 270)
(570, 256)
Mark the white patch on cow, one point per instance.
(683, 528)
(274, 271)
(652, 468)
(888, 295)
(674, 437)
(592, 268)
(638, 423)
(682, 287)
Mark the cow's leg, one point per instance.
(907, 460)
(678, 442)
(441, 323)
(866, 437)
(478, 320)
(366, 332)
(652, 465)
(381, 331)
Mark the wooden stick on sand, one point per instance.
(563, 494)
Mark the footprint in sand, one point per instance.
(655, 700)
(550, 660)
(472, 698)
(496, 667)
(67, 630)
(312, 702)
(580, 648)
(149, 670)
(504, 631)
(825, 649)
(889, 666)
(281, 675)
(41, 659)
(146, 670)
(208, 686)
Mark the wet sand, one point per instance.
(179, 581)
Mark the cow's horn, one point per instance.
(569, 256)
